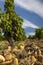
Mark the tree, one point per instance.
(1, 35)
(32, 37)
(11, 23)
(39, 33)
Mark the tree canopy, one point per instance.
(38, 34)
(11, 23)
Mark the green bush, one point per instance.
(11, 23)
(32, 37)
(2, 37)
(39, 33)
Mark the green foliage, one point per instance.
(32, 37)
(9, 6)
(29, 37)
(39, 33)
(11, 23)
(1, 36)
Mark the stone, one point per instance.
(2, 59)
(8, 57)
(40, 53)
(9, 48)
(36, 53)
(22, 47)
(16, 61)
(1, 52)
(6, 52)
(33, 59)
(40, 59)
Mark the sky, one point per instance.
(32, 13)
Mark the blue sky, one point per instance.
(32, 13)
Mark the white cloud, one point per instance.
(31, 33)
(29, 24)
(32, 5)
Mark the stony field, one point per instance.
(28, 52)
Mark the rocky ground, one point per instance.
(28, 52)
